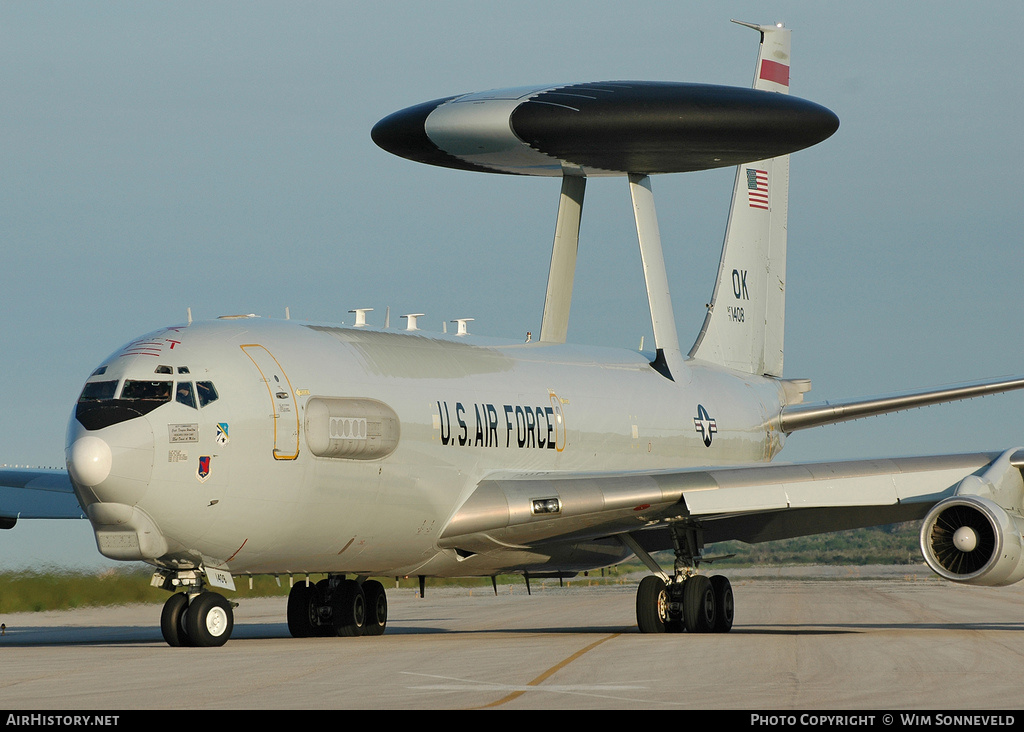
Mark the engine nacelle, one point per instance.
(975, 541)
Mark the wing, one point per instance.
(752, 504)
(36, 494)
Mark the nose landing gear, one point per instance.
(200, 619)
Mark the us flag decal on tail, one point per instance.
(757, 188)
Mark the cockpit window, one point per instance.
(98, 390)
(159, 391)
(185, 395)
(206, 391)
(97, 408)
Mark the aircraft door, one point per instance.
(284, 411)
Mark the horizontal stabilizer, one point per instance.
(804, 416)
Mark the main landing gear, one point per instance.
(685, 601)
(337, 606)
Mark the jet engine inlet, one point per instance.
(973, 540)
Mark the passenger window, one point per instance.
(185, 395)
(207, 393)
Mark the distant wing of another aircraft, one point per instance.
(36, 494)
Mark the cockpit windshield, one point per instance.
(159, 391)
(100, 405)
(98, 390)
(184, 394)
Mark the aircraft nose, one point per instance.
(89, 460)
(113, 464)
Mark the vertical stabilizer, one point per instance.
(744, 325)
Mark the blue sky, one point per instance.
(216, 156)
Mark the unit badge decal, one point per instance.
(203, 471)
(222, 433)
(705, 425)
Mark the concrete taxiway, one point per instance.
(850, 638)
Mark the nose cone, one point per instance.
(89, 460)
(110, 465)
(965, 539)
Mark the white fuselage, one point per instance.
(333, 449)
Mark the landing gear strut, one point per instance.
(687, 600)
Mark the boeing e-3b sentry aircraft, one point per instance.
(242, 446)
